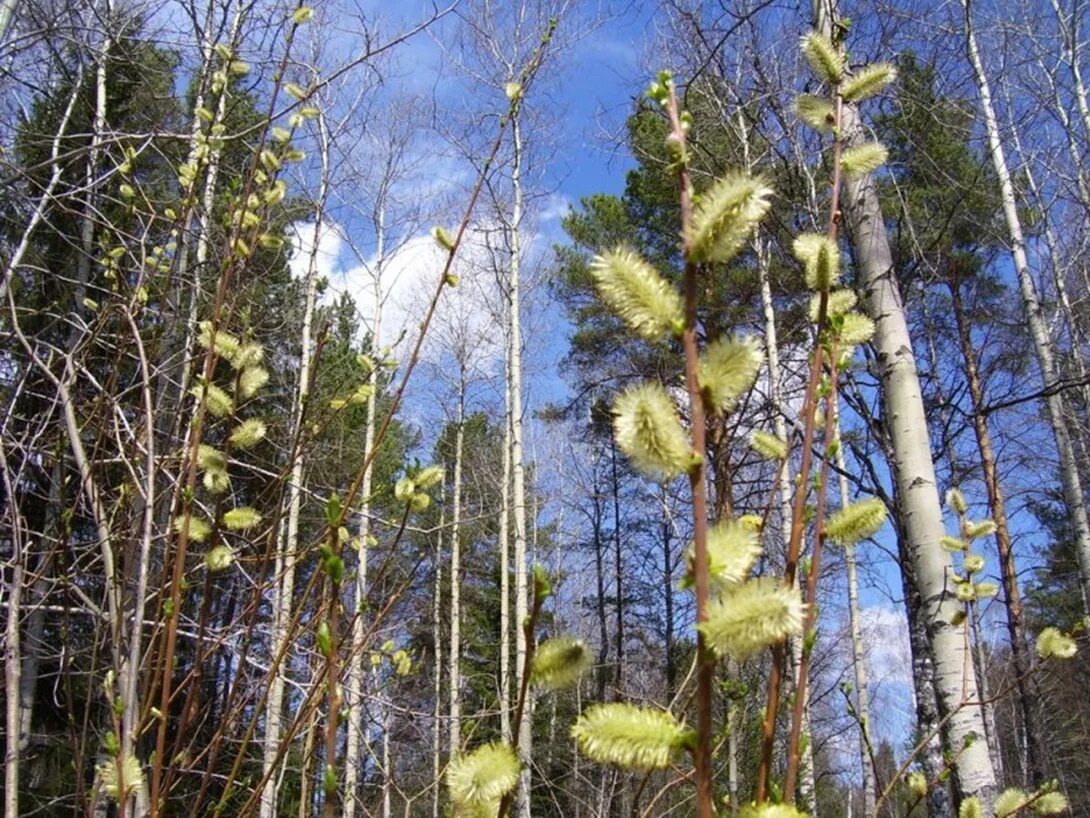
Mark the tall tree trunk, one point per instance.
(437, 640)
(618, 579)
(1042, 342)
(283, 585)
(13, 659)
(455, 671)
(518, 474)
(357, 672)
(505, 553)
(1028, 694)
(859, 658)
(668, 594)
(912, 467)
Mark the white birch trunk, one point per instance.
(505, 555)
(912, 467)
(357, 671)
(455, 672)
(437, 639)
(284, 570)
(518, 475)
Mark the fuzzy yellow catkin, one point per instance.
(248, 433)
(859, 160)
(855, 329)
(251, 380)
(649, 432)
(970, 808)
(868, 81)
(218, 402)
(953, 544)
(840, 302)
(209, 457)
(815, 111)
(752, 616)
(733, 548)
(820, 259)
(1051, 803)
(198, 528)
(1052, 643)
(484, 775)
(956, 500)
(1008, 802)
(768, 810)
(768, 445)
(132, 774)
(727, 369)
(974, 531)
(823, 57)
(241, 518)
(634, 290)
(560, 662)
(856, 521)
(726, 215)
(624, 735)
(219, 558)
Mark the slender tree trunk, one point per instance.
(668, 595)
(1028, 694)
(859, 657)
(455, 672)
(912, 467)
(12, 658)
(437, 639)
(1042, 342)
(518, 474)
(283, 585)
(357, 672)
(618, 582)
(505, 554)
(600, 576)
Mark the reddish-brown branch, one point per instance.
(705, 678)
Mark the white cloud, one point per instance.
(326, 259)
(467, 315)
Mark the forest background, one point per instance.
(223, 227)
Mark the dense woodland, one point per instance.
(396, 421)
